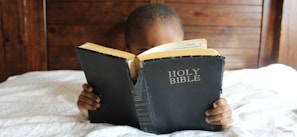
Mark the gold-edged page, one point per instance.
(181, 45)
(134, 66)
(108, 51)
(179, 53)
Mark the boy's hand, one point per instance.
(87, 100)
(220, 114)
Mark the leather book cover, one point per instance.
(174, 93)
(110, 78)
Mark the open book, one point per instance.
(175, 84)
(175, 49)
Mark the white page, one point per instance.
(186, 44)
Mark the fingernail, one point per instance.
(214, 105)
(207, 113)
(206, 119)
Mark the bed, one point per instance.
(43, 103)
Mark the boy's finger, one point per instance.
(213, 118)
(86, 106)
(87, 87)
(224, 122)
(87, 97)
(218, 110)
(219, 102)
(88, 100)
(91, 96)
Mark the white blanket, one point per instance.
(43, 103)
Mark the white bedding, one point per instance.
(43, 103)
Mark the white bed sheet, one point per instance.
(43, 103)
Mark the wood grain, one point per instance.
(13, 52)
(221, 15)
(288, 41)
(101, 22)
(42, 34)
(89, 11)
(74, 35)
(232, 25)
(63, 58)
(36, 35)
(221, 2)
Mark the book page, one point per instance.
(181, 45)
(178, 53)
(107, 51)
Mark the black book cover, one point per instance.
(173, 94)
(110, 79)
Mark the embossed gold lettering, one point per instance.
(183, 76)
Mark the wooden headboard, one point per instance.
(244, 31)
(232, 27)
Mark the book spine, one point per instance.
(143, 104)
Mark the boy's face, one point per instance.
(153, 35)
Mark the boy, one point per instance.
(146, 27)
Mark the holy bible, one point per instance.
(164, 89)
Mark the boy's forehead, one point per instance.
(156, 33)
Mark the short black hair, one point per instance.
(147, 14)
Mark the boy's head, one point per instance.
(152, 25)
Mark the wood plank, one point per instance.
(239, 51)
(288, 41)
(241, 15)
(240, 65)
(157, 1)
(223, 37)
(36, 34)
(233, 28)
(97, 0)
(62, 58)
(73, 35)
(270, 32)
(2, 47)
(111, 35)
(90, 12)
(21, 52)
(223, 29)
(14, 53)
(220, 21)
(238, 58)
(12, 33)
(235, 2)
(220, 15)
(246, 60)
(232, 44)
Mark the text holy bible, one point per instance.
(165, 89)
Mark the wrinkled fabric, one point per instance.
(43, 103)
